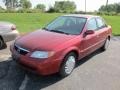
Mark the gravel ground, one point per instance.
(98, 71)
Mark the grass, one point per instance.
(114, 21)
(27, 22)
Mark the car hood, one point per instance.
(42, 40)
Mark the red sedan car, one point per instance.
(58, 46)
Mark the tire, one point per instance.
(106, 44)
(68, 65)
(1, 44)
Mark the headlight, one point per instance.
(41, 54)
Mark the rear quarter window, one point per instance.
(91, 24)
(100, 23)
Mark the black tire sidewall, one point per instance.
(1, 43)
(104, 46)
(62, 68)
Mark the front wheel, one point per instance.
(1, 44)
(68, 65)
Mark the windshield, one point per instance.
(67, 25)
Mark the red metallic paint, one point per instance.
(61, 44)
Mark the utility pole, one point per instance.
(107, 5)
(85, 6)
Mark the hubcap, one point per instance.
(70, 63)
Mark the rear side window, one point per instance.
(92, 25)
(100, 23)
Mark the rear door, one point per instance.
(102, 31)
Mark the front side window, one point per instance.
(67, 24)
(92, 25)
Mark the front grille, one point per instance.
(20, 50)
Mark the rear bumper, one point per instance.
(10, 36)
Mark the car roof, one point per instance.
(5, 22)
(81, 15)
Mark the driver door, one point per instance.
(90, 41)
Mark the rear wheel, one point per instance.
(106, 44)
(68, 65)
(1, 44)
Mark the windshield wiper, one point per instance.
(55, 31)
(59, 31)
(45, 29)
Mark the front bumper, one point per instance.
(10, 36)
(41, 67)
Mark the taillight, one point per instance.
(13, 28)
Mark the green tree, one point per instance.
(110, 8)
(1, 8)
(25, 4)
(41, 7)
(64, 6)
(51, 9)
(11, 4)
(117, 7)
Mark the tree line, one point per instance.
(26, 6)
(112, 9)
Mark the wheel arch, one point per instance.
(4, 44)
(1, 38)
(109, 37)
(74, 50)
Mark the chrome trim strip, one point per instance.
(22, 48)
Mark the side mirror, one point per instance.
(89, 32)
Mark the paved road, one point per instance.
(98, 71)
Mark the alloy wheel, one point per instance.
(70, 64)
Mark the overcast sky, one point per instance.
(91, 4)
